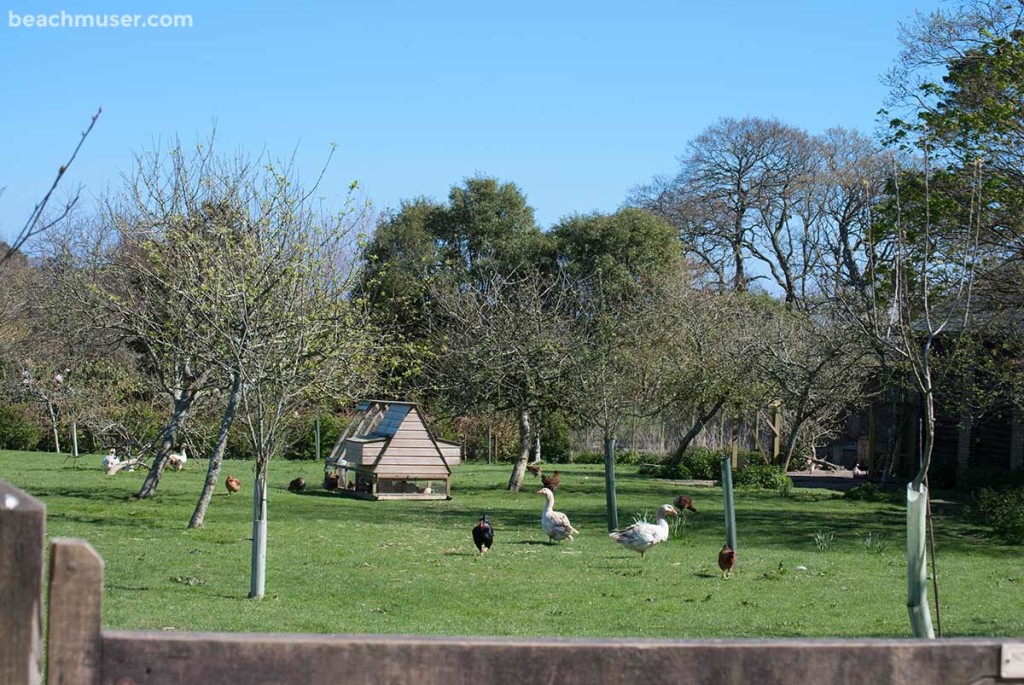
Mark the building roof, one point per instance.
(393, 418)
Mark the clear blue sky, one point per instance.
(573, 101)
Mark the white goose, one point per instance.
(641, 536)
(555, 523)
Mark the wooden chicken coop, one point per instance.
(388, 452)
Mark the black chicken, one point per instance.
(483, 535)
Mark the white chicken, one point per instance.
(641, 536)
(176, 460)
(110, 461)
(555, 523)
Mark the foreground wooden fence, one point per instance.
(81, 652)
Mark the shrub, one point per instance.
(703, 464)
(762, 476)
(17, 431)
(1003, 510)
(475, 432)
(746, 458)
(304, 446)
(624, 457)
(867, 492)
(555, 439)
(238, 446)
(588, 457)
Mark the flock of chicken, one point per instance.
(639, 537)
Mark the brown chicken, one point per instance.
(534, 469)
(332, 481)
(297, 485)
(727, 560)
(232, 484)
(551, 482)
(684, 502)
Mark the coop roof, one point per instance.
(393, 418)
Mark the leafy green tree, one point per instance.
(487, 228)
(428, 272)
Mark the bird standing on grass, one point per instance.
(727, 560)
(232, 484)
(551, 482)
(641, 536)
(555, 523)
(176, 460)
(683, 502)
(483, 535)
(297, 485)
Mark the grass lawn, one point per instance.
(337, 565)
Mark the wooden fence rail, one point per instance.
(81, 652)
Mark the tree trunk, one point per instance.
(777, 433)
(695, 429)
(917, 513)
(258, 577)
(217, 458)
(609, 482)
(729, 502)
(917, 562)
(515, 482)
(182, 404)
(791, 441)
(53, 425)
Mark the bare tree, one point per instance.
(851, 181)
(306, 340)
(38, 221)
(125, 275)
(712, 357)
(507, 346)
(817, 367)
(735, 201)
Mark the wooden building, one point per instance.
(388, 452)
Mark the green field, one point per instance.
(337, 565)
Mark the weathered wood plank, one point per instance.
(412, 431)
(433, 455)
(75, 614)
(413, 443)
(400, 472)
(22, 546)
(412, 496)
(172, 658)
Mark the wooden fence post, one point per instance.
(75, 614)
(22, 540)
